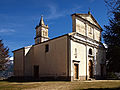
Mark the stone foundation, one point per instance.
(53, 78)
(30, 78)
(81, 78)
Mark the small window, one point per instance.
(43, 33)
(46, 34)
(90, 51)
(46, 48)
(75, 52)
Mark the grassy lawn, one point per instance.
(61, 85)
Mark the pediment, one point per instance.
(89, 18)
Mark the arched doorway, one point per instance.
(90, 69)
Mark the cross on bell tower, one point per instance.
(41, 32)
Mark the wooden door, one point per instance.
(36, 71)
(90, 69)
(76, 71)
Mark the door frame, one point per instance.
(76, 71)
(36, 71)
(76, 62)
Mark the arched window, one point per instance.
(90, 51)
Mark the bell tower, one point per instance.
(41, 32)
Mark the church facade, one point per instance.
(78, 55)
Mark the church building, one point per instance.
(79, 55)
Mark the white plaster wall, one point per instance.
(27, 49)
(90, 31)
(89, 58)
(91, 20)
(87, 30)
(80, 26)
(98, 55)
(81, 56)
(97, 35)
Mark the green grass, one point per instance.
(61, 85)
(4, 85)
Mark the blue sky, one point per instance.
(18, 18)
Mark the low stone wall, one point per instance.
(29, 78)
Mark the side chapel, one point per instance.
(79, 55)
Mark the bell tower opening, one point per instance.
(41, 32)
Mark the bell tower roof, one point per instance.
(41, 21)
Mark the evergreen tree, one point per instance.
(112, 5)
(4, 56)
(112, 36)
